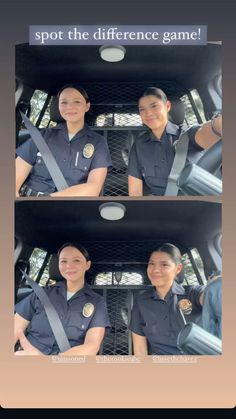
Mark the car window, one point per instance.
(118, 278)
(190, 115)
(115, 119)
(190, 270)
(37, 259)
(36, 103)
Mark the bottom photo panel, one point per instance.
(128, 277)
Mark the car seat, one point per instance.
(54, 113)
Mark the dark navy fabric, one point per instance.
(68, 154)
(151, 160)
(160, 320)
(75, 324)
(212, 308)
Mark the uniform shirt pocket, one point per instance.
(151, 333)
(155, 332)
(76, 328)
(39, 326)
(150, 330)
(148, 172)
(40, 169)
(81, 167)
(153, 177)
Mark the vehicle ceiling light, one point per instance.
(112, 53)
(112, 211)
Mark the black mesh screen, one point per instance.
(126, 257)
(120, 141)
(118, 251)
(117, 340)
(117, 179)
(127, 92)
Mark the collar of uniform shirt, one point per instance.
(61, 285)
(175, 289)
(84, 131)
(170, 128)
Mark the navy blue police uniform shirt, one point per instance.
(68, 154)
(151, 160)
(70, 312)
(160, 320)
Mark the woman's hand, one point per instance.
(23, 170)
(28, 348)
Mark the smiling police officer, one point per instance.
(152, 156)
(81, 154)
(158, 314)
(82, 312)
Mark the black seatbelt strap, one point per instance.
(46, 154)
(52, 315)
(181, 150)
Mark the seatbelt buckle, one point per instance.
(25, 191)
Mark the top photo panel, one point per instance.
(118, 121)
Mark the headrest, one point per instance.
(177, 113)
(54, 111)
(54, 272)
(180, 277)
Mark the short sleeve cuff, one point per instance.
(192, 133)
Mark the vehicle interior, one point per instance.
(119, 249)
(190, 76)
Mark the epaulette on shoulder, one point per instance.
(51, 283)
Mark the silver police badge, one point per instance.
(88, 150)
(186, 306)
(88, 310)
